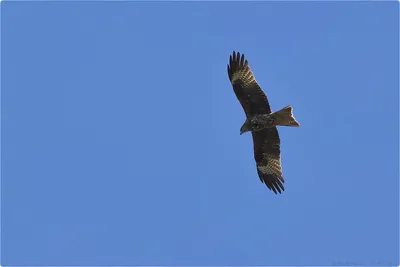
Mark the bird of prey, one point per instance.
(261, 122)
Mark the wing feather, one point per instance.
(248, 92)
(267, 154)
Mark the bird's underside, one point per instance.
(261, 122)
(283, 117)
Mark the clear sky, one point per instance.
(121, 145)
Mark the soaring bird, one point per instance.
(261, 122)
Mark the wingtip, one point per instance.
(237, 62)
(274, 184)
(236, 55)
(238, 58)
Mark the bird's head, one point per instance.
(246, 127)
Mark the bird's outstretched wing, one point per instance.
(249, 93)
(267, 154)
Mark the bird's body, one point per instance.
(261, 122)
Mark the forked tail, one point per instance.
(284, 117)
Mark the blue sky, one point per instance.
(121, 145)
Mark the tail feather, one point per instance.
(284, 117)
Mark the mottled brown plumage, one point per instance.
(266, 141)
